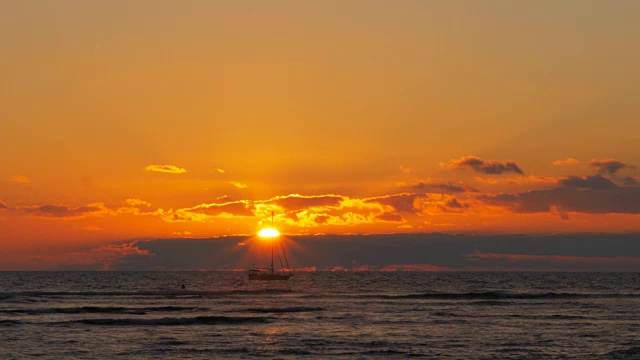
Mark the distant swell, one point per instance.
(284, 310)
(490, 295)
(164, 293)
(200, 320)
(100, 310)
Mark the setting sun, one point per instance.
(268, 233)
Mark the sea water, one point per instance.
(333, 315)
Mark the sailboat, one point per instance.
(269, 273)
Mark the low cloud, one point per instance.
(3, 205)
(169, 169)
(414, 267)
(610, 166)
(568, 161)
(397, 252)
(551, 262)
(493, 167)
(220, 171)
(108, 257)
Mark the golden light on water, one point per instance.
(267, 233)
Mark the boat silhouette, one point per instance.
(283, 274)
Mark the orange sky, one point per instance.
(124, 120)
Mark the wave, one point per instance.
(101, 310)
(284, 310)
(630, 353)
(494, 295)
(200, 320)
(10, 322)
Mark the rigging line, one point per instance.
(280, 259)
(285, 256)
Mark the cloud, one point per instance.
(557, 261)
(106, 257)
(238, 184)
(413, 267)
(134, 206)
(525, 180)
(439, 188)
(610, 166)
(591, 194)
(394, 252)
(588, 182)
(136, 203)
(3, 205)
(630, 181)
(205, 212)
(390, 217)
(404, 202)
(66, 212)
(486, 167)
(437, 204)
(558, 211)
(169, 169)
(568, 161)
(297, 201)
(407, 170)
(20, 179)
(220, 171)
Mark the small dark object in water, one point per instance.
(182, 286)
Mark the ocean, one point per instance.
(332, 315)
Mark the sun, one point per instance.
(268, 233)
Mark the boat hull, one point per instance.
(270, 276)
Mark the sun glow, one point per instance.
(268, 233)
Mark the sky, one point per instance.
(122, 121)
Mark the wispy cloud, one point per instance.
(407, 170)
(220, 171)
(3, 205)
(20, 179)
(239, 185)
(568, 161)
(486, 166)
(66, 212)
(169, 169)
(438, 188)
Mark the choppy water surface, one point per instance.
(130, 315)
